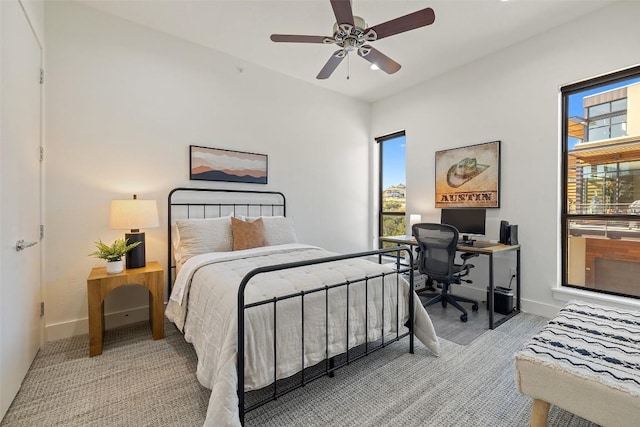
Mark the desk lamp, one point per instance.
(133, 215)
(414, 219)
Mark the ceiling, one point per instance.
(464, 30)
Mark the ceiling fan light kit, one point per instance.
(351, 34)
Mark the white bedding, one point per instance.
(203, 305)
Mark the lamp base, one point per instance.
(135, 257)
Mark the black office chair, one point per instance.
(436, 259)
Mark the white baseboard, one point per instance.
(541, 309)
(81, 326)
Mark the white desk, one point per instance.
(489, 251)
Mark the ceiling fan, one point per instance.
(350, 34)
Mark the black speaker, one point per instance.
(512, 235)
(503, 231)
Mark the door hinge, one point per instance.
(41, 75)
(41, 231)
(41, 154)
(42, 309)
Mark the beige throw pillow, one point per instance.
(247, 235)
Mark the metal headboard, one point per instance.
(184, 203)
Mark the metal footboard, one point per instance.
(308, 373)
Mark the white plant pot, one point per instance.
(115, 267)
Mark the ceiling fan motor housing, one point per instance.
(352, 37)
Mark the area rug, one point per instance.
(141, 382)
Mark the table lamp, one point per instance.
(134, 214)
(414, 219)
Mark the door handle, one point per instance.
(22, 245)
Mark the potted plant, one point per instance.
(113, 253)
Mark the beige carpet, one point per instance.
(141, 382)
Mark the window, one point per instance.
(601, 190)
(392, 190)
(607, 120)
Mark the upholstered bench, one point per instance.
(586, 361)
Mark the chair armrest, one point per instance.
(465, 256)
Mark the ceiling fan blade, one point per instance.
(331, 64)
(293, 38)
(378, 58)
(404, 23)
(343, 12)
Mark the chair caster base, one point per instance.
(463, 318)
(474, 307)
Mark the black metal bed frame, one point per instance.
(278, 205)
(331, 364)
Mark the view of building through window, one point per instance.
(392, 191)
(601, 229)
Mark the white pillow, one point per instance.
(278, 229)
(200, 236)
(175, 242)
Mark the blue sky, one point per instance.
(395, 158)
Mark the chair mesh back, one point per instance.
(438, 244)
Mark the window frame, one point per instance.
(381, 140)
(565, 216)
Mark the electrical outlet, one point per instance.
(512, 272)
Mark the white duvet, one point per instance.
(203, 306)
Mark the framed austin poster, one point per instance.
(215, 164)
(468, 177)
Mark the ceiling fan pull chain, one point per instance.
(348, 67)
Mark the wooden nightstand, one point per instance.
(99, 284)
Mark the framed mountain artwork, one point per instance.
(215, 164)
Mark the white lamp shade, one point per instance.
(414, 219)
(134, 214)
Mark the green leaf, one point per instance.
(113, 252)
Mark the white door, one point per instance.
(20, 293)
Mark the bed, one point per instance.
(267, 314)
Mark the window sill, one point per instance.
(568, 294)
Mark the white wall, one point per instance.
(123, 105)
(34, 9)
(512, 96)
